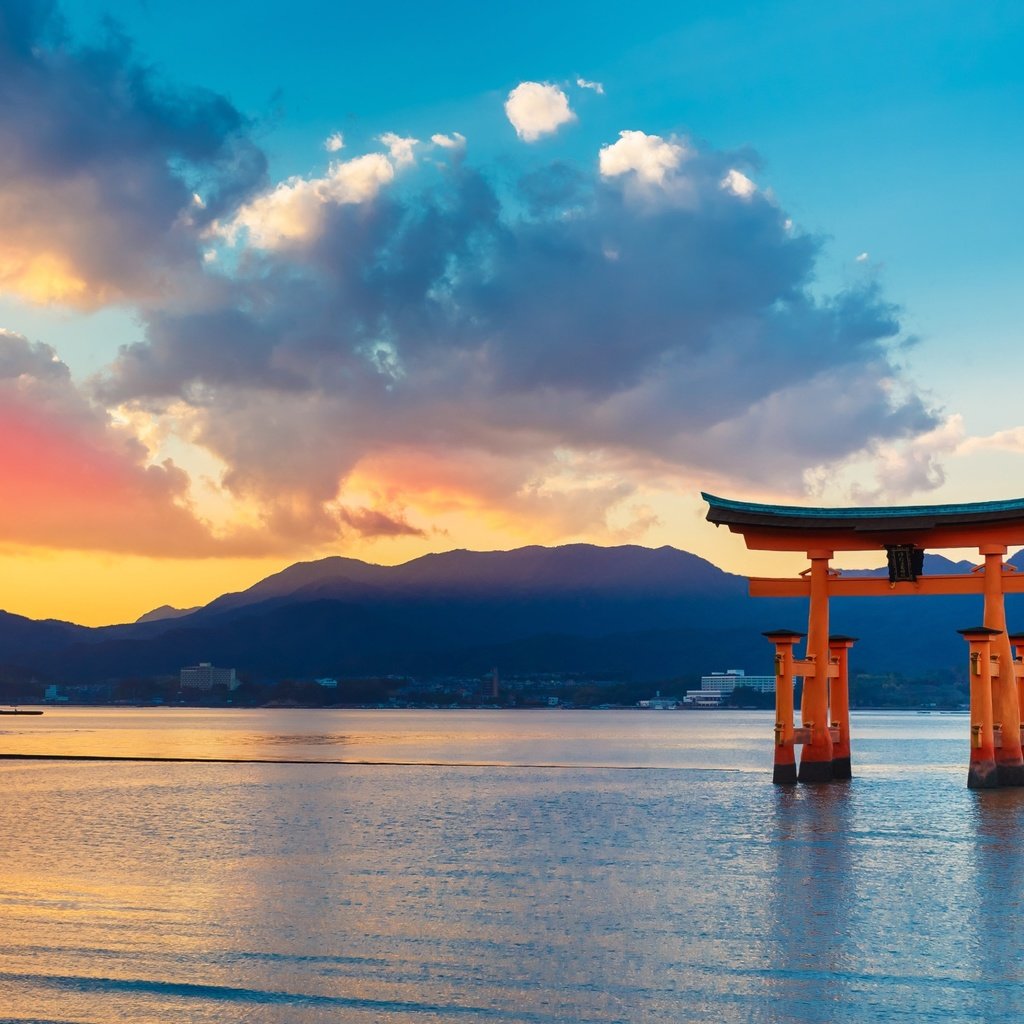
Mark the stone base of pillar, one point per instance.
(982, 775)
(1010, 773)
(841, 768)
(814, 771)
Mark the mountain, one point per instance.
(22, 639)
(933, 565)
(651, 613)
(165, 611)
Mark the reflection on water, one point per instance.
(810, 846)
(325, 892)
(581, 738)
(996, 897)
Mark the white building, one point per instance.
(726, 682)
(704, 698)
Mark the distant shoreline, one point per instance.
(469, 707)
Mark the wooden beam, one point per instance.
(802, 735)
(879, 586)
(759, 538)
(807, 668)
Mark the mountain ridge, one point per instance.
(584, 606)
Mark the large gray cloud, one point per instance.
(666, 324)
(99, 164)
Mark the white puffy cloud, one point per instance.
(593, 86)
(334, 143)
(536, 109)
(1009, 440)
(738, 184)
(401, 149)
(293, 212)
(650, 157)
(454, 141)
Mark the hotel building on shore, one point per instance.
(205, 676)
(716, 687)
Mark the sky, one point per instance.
(277, 284)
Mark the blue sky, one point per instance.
(795, 277)
(890, 128)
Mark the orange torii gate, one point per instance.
(904, 533)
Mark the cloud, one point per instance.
(738, 184)
(1010, 440)
(651, 158)
(511, 340)
(536, 109)
(59, 452)
(369, 522)
(401, 149)
(593, 86)
(334, 143)
(99, 162)
(540, 348)
(914, 466)
(454, 141)
(295, 210)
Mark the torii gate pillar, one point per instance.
(839, 650)
(816, 757)
(983, 772)
(1005, 701)
(784, 772)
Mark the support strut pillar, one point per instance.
(982, 773)
(839, 651)
(784, 771)
(1005, 700)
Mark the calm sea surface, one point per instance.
(537, 867)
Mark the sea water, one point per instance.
(543, 867)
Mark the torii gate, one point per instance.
(904, 533)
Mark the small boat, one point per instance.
(18, 711)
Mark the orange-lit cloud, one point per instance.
(524, 496)
(72, 478)
(294, 212)
(42, 277)
(75, 478)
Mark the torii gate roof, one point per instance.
(793, 528)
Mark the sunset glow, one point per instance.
(515, 305)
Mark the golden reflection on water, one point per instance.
(583, 738)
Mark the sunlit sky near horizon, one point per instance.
(278, 283)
